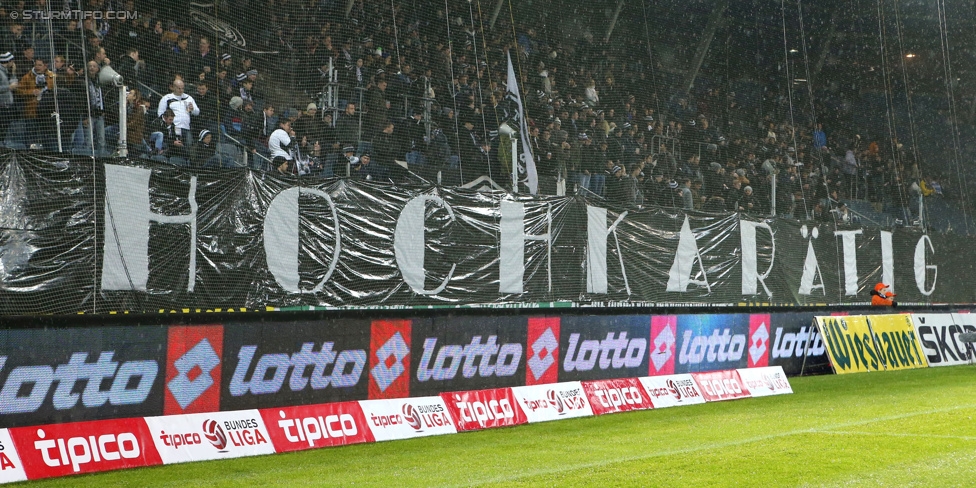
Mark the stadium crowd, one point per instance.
(429, 90)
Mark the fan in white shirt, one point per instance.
(182, 105)
(279, 143)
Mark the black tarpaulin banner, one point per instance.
(79, 235)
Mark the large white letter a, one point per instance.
(680, 275)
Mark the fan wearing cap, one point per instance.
(204, 153)
(348, 152)
(246, 89)
(367, 170)
(309, 127)
(882, 297)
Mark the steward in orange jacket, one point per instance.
(881, 297)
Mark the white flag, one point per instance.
(531, 176)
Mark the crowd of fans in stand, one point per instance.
(597, 120)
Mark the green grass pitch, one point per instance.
(909, 428)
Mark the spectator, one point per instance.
(714, 204)
(591, 95)
(182, 105)
(131, 67)
(687, 201)
(167, 142)
(309, 126)
(8, 85)
(667, 161)
(246, 89)
(328, 138)
(819, 137)
(377, 109)
(96, 110)
(26, 57)
(204, 153)
(578, 172)
(347, 127)
(204, 64)
(280, 143)
(747, 203)
(207, 104)
(14, 41)
(33, 86)
(368, 171)
(258, 127)
(850, 170)
(734, 196)
(180, 61)
(697, 195)
(386, 151)
(349, 160)
(136, 108)
(631, 196)
(233, 121)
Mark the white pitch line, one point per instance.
(899, 434)
(718, 445)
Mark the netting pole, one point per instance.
(91, 135)
(450, 63)
(57, 113)
(481, 97)
(947, 68)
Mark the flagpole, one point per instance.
(522, 129)
(514, 163)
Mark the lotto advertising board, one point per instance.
(542, 403)
(294, 363)
(70, 375)
(95, 373)
(796, 345)
(467, 353)
(724, 341)
(603, 347)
